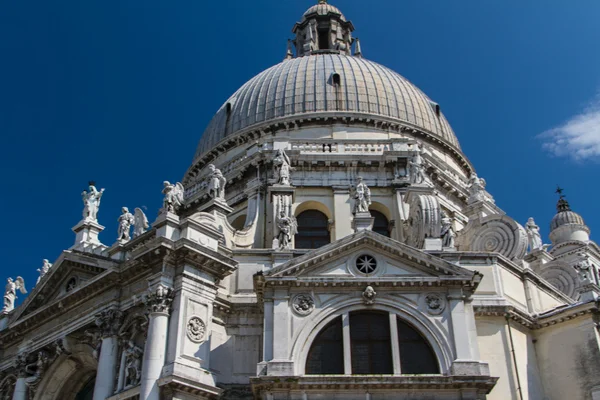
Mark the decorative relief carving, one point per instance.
(424, 220)
(500, 234)
(109, 321)
(434, 303)
(7, 387)
(36, 370)
(173, 199)
(303, 304)
(159, 300)
(196, 329)
(369, 295)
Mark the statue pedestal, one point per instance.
(362, 222)
(218, 205)
(589, 292)
(86, 236)
(432, 244)
(167, 225)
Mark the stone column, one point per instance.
(20, 392)
(109, 322)
(342, 213)
(158, 302)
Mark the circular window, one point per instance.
(366, 264)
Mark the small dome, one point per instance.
(564, 215)
(323, 9)
(564, 218)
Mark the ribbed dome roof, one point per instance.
(565, 216)
(305, 85)
(323, 9)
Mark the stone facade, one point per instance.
(336, 245)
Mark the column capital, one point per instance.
(159, 299)
(21, 365)
(109, 321)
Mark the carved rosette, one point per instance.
(303, 304)
(109, 321)
(434, 303)
(159, 300)
(196, 329)
(424, 220)
(500, 234)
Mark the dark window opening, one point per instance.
(87, 393)
(323, 39)
(416, 355)
(326, 355)
(238, 223)
(227, 117)
(371, 345)
(381, 224)
(313, 230)
(337, 79)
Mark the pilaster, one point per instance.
(342, 213)
(281, 199)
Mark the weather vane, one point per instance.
(559, 191)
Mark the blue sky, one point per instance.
(120, 91)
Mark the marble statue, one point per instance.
(140, 223)
(584, 269)
(282, 166)
(477, 190)
(125, 222)
(91, 202)
(36, 370)
(10, 293)
(216, 183)
(417, 167)
(362, 197)
(44, 270)
(133, 364)
(173, 196)
(447, 233)
(534, 238)
(288, 227)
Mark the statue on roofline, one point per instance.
(10, 293)
(125, 222)
(534, 238)
(282, 167)
(44, 270)
(140, 223)
(173, 196)
(216, 183)
(91, 202)
(362, 197)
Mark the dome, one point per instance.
(326, 84)
(564, 215)
(323, 9)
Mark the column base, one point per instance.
(469, 368)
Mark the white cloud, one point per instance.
(578, 138)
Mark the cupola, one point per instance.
(323, 29)
(567, 225)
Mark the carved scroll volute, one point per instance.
(424, 219)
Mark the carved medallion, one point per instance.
(196, 329)
(303, 304)
(435, 303)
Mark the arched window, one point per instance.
(326, 355)
(416, 355)
(313, 230)
(381, 224)
(371, 345)
(371, 350)
(87, 392)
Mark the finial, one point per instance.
(322, 1)
(563, 204)
(289, 55)
(358, 49)
(92, 183)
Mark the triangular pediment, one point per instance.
(68, 273)
(369, 255)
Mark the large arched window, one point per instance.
(371, 351)
(381, 224)
(326, 354)
(313, 230)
